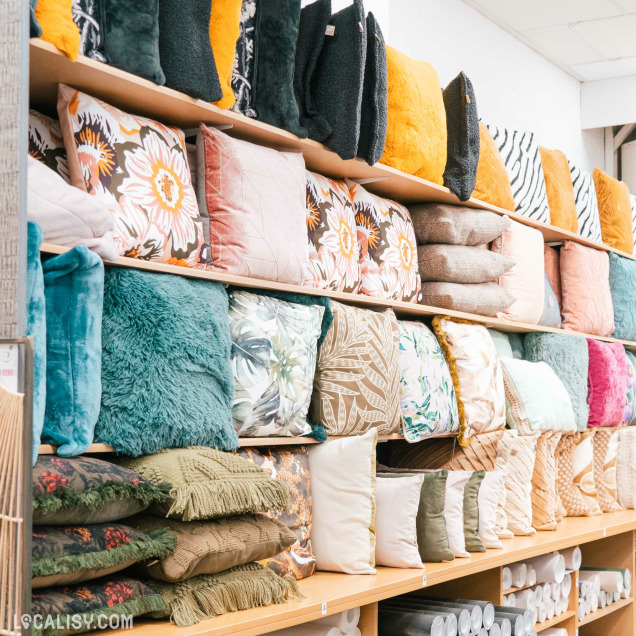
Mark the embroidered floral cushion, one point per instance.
(46, 143)
(334, 253)
(140, 169)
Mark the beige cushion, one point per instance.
(519, 482)
(485, 299)
(574, 503)
(626, 468)
(583, 470)
(544, 497)
(605, 449)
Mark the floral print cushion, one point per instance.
(427, 394)
(334, 253)
(388, 251)
(139, 168)
(46, 143)
(273, 359)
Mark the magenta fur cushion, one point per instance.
(607, 383)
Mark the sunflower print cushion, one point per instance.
(46, 143)
(139, 168)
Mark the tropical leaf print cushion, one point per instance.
(388, 252)
(140, 169)
(334, 253)
(273, 359)
(46, 143)
(427, 394)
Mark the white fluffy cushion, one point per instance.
(487, 499)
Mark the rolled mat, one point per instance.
(506, 578)
(505, 625)
(542, 612)
(572, 557)
(556, 590)
(592, 577)
(518, 571)
(531, 576)
(581, 611)
(345, 621)
(555, 631)
(494, 631)
(550, 609)
(566, 586)
(609, 577)
(450, 619)
(510, 600)
(526, 599)
(517, 623)
(527, 614)
(602, 598)
(310, 629)
(538, 594)
(487, 608)
(550, 568)
(409, 623)
(463, 616)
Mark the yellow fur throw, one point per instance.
(224, 31)
(56, 19)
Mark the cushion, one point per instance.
(558, 185)
(586, 296)
(84, 490)
(427, 394)
(568, 357)
(63, 556)
(632, 200)
(416, 127)
(629, 414)
(462, 129)
(243, 68)
(397, 502)
(89, 17)
(520, 470)
(461, 264)
(357, 375)
(589, 223)
(521, 155)
(273, 361)
(607, 383)
(551, 316)
(575, 504)
(471, 512)
(225, 20)
(476, 373)
(208, 483)
(74, 293)
(180, 391)
(493, 184)
(489, 491)
(605, 449)
(517, 344)
(615, 211)
(536, 399)
(68, 216)
(35, 30)
(290, 465)
(255, 198)
(113, 155)
(502, 343)
(583, 463)
(388, 254)
(334, 252)
(485, 299)
(544, 502)
(93, 603)
(622, 280)
(209, 547)
(626, 468)
(47, 145)
(56, 20)
(456, 481)
(343, 488)
(455, 225)
(525, 281)
(553, 271)
(131, 38)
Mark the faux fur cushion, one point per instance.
(622, 280)
(574, 503)
(558, 184)
(615, 211)
(544, 497)
(607, 383)
(56, 20)
(225, 19)
(583, 470)
(605, 448)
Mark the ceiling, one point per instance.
(589, 39)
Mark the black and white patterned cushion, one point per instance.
(88, 15)
(586, 203)
(243, 70)
(521, 155)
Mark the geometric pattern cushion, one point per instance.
(573, 501)
(605, 447)
(586, 203)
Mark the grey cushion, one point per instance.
(485, 299)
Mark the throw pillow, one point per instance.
(553, 271)
(255, 199)
(208, 483)
(588, 221)
(89, 17)
(47, 145)
(63, 556)
(521, 155)
(180, 391)
(551, 316)
(416, 127)
(485, 299)
(487, 499)
(456, 481)
(356, 384)
(139, 168)
(626, 468)
(388, 253)
(544, 496)
(629, 414)
(502, 343)
(520, 469)
(462, 129)
(605, 448)
(615, 211)
(574, 503)
(558, 185)
(35, 30)
(525, 281)
(607, 383)
(273, 360)
(427, 394)
(83, 490)
(586, 294)
(622, 282)
(225, 21)
(56, 21)
(583, 463)
(343, 487)
(471, 512)
(632, 200)
(243, 69)
(476, 373)
(334, 252)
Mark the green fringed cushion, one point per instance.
(244, 587)
(74, 554)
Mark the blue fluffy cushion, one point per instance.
(622, 277)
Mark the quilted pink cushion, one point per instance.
(255, 199)
(607, 383)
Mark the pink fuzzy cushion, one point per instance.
(607, 383)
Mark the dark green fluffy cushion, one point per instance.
(166, 377)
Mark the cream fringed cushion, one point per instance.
(605, 447)
(518, 507)
(626, 468)
(574, 503)
(544, 497)
(583, 465)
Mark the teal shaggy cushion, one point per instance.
(622, 278)
(166, 377)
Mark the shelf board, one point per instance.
(557, 620)
(593, 616)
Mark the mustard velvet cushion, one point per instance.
(416, 130)
(225, 22)
(558, 185)
(615, 211)
(56, 19)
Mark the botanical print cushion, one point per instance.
(605, 447)
(388, 252)
(273, 361)
(242, 72)
(334, 252)
(356, 386)
(583, 463)
(140, 169)
(589, 222)
(46, 143)
(427, 394)
(88, 15)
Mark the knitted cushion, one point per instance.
(589, 224)
(615, 211)
(485, 299)
(243, 68)
(607, 383)
(574, 503)
(225, 19)
(583, 465)
(558, 183)
(626, 468)
(544, 502)
(46, 143)
(622, 280)
(605, 448)
(89, 17)
(56, 20)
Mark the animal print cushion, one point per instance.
(586, 203)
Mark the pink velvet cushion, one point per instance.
(607, 383)
(585, 290)
(255, 198)
(551, 262)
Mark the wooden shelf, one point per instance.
(593, 616)
(557, 620)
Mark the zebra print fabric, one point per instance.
(521, 155)
(632, 200)
(586, 203)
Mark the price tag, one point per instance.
(424, 581)
(324, 608)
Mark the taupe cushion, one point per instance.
(485, 299)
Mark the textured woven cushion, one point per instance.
(583, 474)
(575, 504)
(544, 501)
(520, 469)
(607, 383)
(605, 449)
(615, 211)
(46, 143)
(485, 299)
(589, 224)
(626, 468)
(622, 280)
(558, 184)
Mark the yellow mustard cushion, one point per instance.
(615, 211)
(225, 19)
(558, 185)
(493, 184)
(416, 127)
(56, 19)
